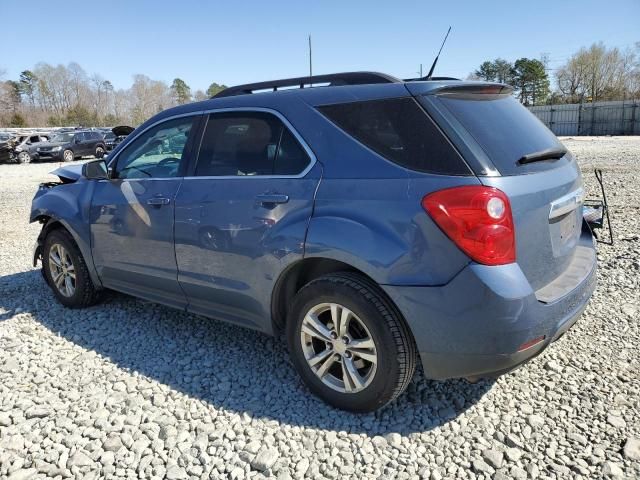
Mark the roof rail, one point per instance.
(333, 79)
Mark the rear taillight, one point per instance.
(478, 219)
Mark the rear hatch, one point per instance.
(510, 149)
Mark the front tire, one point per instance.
(349, 343)
(67, 156)
(24, 157)
(99, 152)
(66, 272)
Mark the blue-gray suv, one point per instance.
(375, 222)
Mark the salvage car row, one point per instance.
(64, 144)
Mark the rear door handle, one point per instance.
(157, 201)
(272, 198)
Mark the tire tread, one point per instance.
(407, 352)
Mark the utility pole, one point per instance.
(310, 59)
(420, 70)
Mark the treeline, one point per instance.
(49, 95)
(592, 74)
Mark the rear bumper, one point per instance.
(477, 324)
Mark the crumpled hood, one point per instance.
(69, 173)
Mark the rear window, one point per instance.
(400, 131)
(504, 129)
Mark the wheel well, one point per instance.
(48, 225)
(296, 277)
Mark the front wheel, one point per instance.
(66, 272)
(349, 343)
(67, 156)
(24, 157)
(99, 152)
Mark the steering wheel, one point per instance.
(166, 161)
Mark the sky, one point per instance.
(247, 41)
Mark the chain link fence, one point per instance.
(599, 118)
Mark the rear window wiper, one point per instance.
(547, 154)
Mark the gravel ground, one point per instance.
(134, 390)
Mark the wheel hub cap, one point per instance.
(62, 270)
(338, 347)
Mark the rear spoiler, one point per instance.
(465, 89)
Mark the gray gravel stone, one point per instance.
(493, 458)
(264, 459)
(79, 459)
(632, 449)
(616, 421)
(612, 469)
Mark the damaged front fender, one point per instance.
(65, 205)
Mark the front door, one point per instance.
(241, 216)
(133, 213)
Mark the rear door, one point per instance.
(545, 194)
(242, 214)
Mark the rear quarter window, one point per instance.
(399, 130)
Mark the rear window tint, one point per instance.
(504, 129)
(400, 131)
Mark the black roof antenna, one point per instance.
(433, 66)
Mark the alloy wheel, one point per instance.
(338, 347)
(68, 156)
(62, 270)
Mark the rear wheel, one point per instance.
(67, 156)
(66, 272)
(24, 157)
(349, 343)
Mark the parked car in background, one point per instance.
(70, 145)
(374, 222)
(21, 148)
(109, 139)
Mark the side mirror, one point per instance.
(95, 170)
(76, 141)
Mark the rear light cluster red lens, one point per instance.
(478, 219)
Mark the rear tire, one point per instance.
(328, 356)
(66, 272)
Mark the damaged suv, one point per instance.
(374, 222)
(21, 148)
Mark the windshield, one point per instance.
(62, 137)
(505, 130)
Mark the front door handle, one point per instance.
(157, 201)
(272, 198)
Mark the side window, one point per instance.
(249, 144)
(157, 153)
